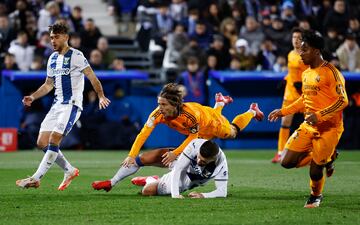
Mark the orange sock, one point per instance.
(284, 134)
(305, 161)
(242, 120)
(317, 186)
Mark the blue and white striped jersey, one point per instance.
(66, 71)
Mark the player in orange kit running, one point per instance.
(189, 118)
(323, 100)
(292, 90)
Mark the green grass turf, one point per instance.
(258, 193)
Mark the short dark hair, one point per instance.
(209, 149)
(297, 30)
(173, 93)
(313, 39)
(59, 28)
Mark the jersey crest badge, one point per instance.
(66, 60)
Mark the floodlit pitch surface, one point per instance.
(258, 193)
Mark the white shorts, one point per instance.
(61, 118)
(164, 185)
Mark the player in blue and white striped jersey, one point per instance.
(65, 72)
(201, 161)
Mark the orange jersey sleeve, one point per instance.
(324, 93)
(294, 107)
(153, 120)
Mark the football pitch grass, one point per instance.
(258, 193)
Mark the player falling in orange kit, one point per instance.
(188, 118)
(292, 90)
(323, 100)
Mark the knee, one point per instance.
(288, 164)
(41, 144)
(316, 172)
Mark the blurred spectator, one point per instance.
(44, 47)
(67, 21)
(19, 18)
(235, 64)
(190, 22)
(192, 49)
(253, 8)
(77, 19)
(7, 34)
(349, 54)
(332, 41)
(96, 60)
(242, 53)
(75, 41)
(65, 9)
(118, 65)
(303, 8)
(267, 56)
(91, 117)
(280, 64)
(202, 35)
(266, 23)
(146, 12)
(31, 30)
(163, 26)
(280, 36)
(338, 18)
(253, 34)
(288, 15)
(176, 41)
(178, 10)
(30, 125)
(220, 51)
(194, 81)
(108, 55)
(354, 27)
(89, 36)
(304, 24)
(24, 53)
(9, 62)
(211, 63)
(48, 16)
(238, 14)
(229, 30)
(324, 9)
(214, 17)
(37, 63)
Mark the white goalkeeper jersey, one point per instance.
(186, 165)
(66, 71)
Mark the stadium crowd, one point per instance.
(211, 34)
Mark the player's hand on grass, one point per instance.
(275, 115)
(168, 157)
(27, 100)
(311, 118)
(128, 161)
(196, 195)
(103, 102)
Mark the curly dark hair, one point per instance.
(173, 93)
(313, 39)
(209, 149)
(59, 28)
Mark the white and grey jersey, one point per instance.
(186, 165)
(66, 71)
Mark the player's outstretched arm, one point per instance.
(275, 115)
(44, 89)
(103, 101)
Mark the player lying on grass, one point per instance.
(323, 100)
(201, 161)
(188, 118)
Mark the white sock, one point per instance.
(252, 111)
(219, 104)
(124, 172)
(45, 164)
(63, 162)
